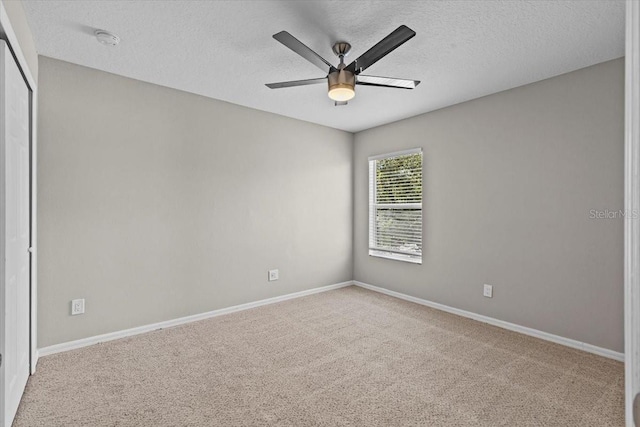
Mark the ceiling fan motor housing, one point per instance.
(341, 85)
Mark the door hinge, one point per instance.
(636, 410)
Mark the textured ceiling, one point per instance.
(224, 49)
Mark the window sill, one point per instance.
(396, 257)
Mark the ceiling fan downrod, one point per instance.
(342, 83)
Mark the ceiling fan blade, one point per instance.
(296, 83)
(303, 50)
(381, 49)
(338, 103)
(386, 82)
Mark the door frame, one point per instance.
(9, 35)
(632, 206)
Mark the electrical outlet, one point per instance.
(488, 291)
(273, 275)
(77, 306)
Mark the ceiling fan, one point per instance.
(343, 78)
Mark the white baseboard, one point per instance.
(84, 342)
(71, 345)
(34, 362)
(501, 323)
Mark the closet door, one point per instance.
(14, 235)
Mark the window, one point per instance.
(395, 206)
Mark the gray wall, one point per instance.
(156, 204)
(510, 180)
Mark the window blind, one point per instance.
(395, 206)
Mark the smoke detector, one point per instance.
(107, 38)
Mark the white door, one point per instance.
(14, 232)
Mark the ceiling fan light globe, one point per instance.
(341, 85)
(342, 93)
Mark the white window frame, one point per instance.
(373, 249)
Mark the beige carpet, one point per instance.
(348, 357)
